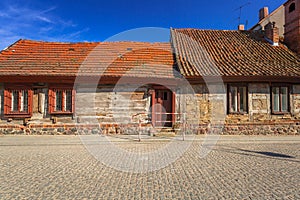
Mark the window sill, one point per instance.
(61, 113)
(237, 113)
(17, 115)
(280, 113)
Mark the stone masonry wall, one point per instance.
(258, 120)
(108, 105)
(118, 112)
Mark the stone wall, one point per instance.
(119, 111)
(108, 105)
(113, 110)
(212, 104)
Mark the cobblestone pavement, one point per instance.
(239, 167)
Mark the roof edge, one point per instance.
(7, 48)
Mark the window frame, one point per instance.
(229, 98)
(8, 112)
(280, 112)
(52, 100)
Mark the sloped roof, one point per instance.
(133, 59)
(230, 53)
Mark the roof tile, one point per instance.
(230, 53)
(132, 59)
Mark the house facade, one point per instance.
(202, 81)
(287, 20)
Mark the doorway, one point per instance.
(162, 108)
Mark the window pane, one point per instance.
(276, 97)
(68, 101)
(284, 98)
(243, 99)
(24, 101)
(233, 106)
(58, 101)
(15, 100)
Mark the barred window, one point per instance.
(61, 101)
(17, 102)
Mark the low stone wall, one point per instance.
(87, 129)
(74, 129)
(251, 129)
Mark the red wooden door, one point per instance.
(163, 108)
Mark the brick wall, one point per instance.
(292, 26)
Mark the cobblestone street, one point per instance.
(238, 167)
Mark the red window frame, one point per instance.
(229, 94)
(52, 100)
(8, 112)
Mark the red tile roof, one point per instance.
(137, 59)
(230, 53)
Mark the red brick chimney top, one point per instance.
(263, 12)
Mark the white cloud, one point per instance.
(44, 19)
(24, 22)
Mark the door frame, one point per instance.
(153, 96)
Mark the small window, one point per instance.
(17, 102)
(292, 7)
(280, 99)
(61, 101)
(237, 99)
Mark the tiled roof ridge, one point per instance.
(54, 42)
(83, 42)
(10, 46)
(213, 30)
(134, 42)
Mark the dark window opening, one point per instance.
(292, 7)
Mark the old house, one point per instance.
(277, 16)
(286, 18)
(234, 82)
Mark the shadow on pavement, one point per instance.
(262, 154)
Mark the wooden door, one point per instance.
(163, 108)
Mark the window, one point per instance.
(292, 7)
(61, 101)
(280, 99)
(17, 102)
(237, 99)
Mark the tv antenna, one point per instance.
(240, 10)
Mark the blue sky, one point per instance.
(78, 20)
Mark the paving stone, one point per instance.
(238, 167)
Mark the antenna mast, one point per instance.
(240, 11)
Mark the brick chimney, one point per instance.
(263, 12)
(272, 33)
(241, 27)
